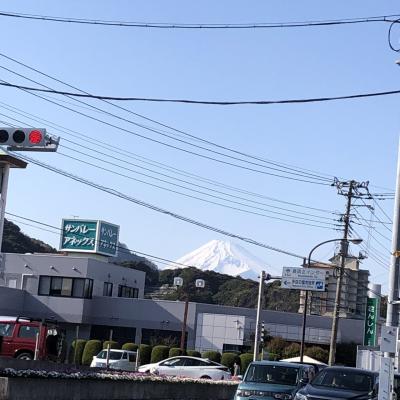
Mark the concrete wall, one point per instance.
(26, 269)
(69, 389)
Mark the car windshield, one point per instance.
(345, 380)
(114, 355)
(273, 374)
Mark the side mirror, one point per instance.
(240, 377)
(304, 381)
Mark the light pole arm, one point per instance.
(303, 333)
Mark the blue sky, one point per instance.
(351, 139)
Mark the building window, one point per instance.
(127, 291)
(107, 289)
(65, 287)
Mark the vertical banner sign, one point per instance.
(370, 322)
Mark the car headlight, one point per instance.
(282, 396)
(244, 393)
(300, 396)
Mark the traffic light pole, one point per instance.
(6, 162)
(257, 334)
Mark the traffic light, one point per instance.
(262, 332)
(26, 138)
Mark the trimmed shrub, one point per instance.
(92, 348)
(193, 353)
(293, 350)
(228, 359)
(75, 357)
(144, 353)
(276, 346)
(245, 360)
(318, 353)
(175, 351)
(159, 353)
(212, 356)
(130, 346)
(113, 345)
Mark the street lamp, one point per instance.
(200, 283)
(337, 302)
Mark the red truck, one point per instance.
(21, 337)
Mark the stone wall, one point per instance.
(71, 389)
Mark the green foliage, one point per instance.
(75, 357)
(175, 351)
(144, 353)
(113, 345)
(318, 353)
(212, 356)
(245, 360)
(228, 359)
(92, 348)
(159, 353)
(227, 290)
(14, 241)
(276, 346)
(193, 353)
(274, 357)
(142, 264)
(346, 354)
(293, 350)
(130, 346)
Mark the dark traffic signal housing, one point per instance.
(27, 139)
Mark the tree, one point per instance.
(276, 346)
(293, 350)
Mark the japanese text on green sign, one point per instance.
(371, 317)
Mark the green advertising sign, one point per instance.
(89, 236)
(371, 317)
(108, 238)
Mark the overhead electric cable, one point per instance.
(175, 147)
(158, 209)
(203, 102)
(201, 26)
(290, 170)
(322, 218)
(179, 131)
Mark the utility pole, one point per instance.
(256, 336)
(184, 324)
(392, 316)
(350, 190)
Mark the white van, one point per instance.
(118, 359)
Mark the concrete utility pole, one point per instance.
(392, 316)
(348, 189)
(257, 334)
(344, 245)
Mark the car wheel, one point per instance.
(25, 356)
(205, 377)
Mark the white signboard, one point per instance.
(389, 339)
(303, 278)
(385, 378)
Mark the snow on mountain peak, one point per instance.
(224, 257)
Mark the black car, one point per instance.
(341, 383)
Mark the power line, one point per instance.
(119, 247)
(154, 207)
(183, 181)
(179, 131)
(201, 26)
(201, 199)
(203, 102)
(176, 147)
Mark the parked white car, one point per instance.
(119, 359)
(189, 367)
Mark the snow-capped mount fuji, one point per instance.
(225, 258)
